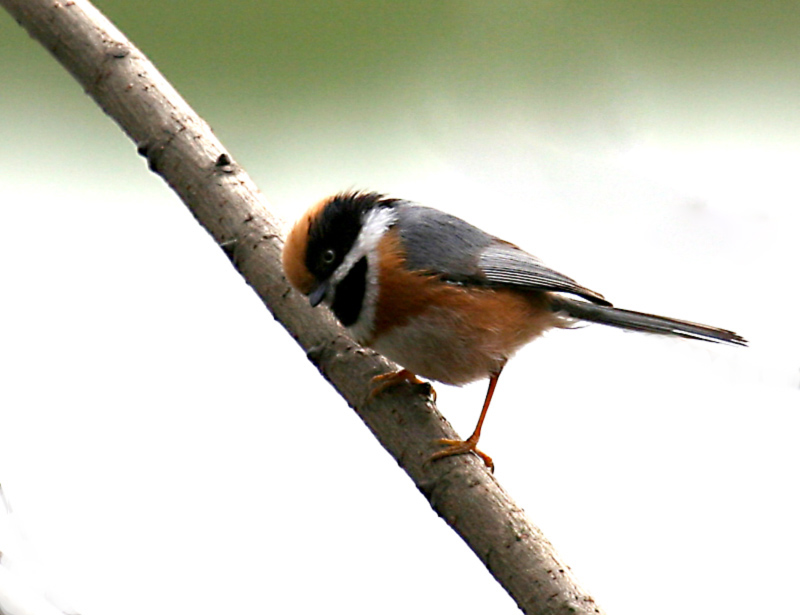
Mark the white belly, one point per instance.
(437, 346)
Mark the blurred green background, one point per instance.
(318, 91)
(159, 432)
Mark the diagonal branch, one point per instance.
(181, 148)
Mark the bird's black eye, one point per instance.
(328, 256)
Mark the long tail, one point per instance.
(649, 323)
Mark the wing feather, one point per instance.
(505, 264)
(459, 252)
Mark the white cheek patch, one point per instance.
(377, 222)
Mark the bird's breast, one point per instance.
(449, 332)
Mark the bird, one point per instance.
(442, 298)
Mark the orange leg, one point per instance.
(386, 381)
(470, 445)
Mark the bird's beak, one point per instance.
(318, 293)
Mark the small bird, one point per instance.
(440, 297)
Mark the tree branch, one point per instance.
(181, 148)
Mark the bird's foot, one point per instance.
(389, 380)
(460, 447)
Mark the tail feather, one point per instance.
(648, 323)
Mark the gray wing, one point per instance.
(459, 252)
(506, 264)
(441, 244)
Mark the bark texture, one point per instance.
(182, 149)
